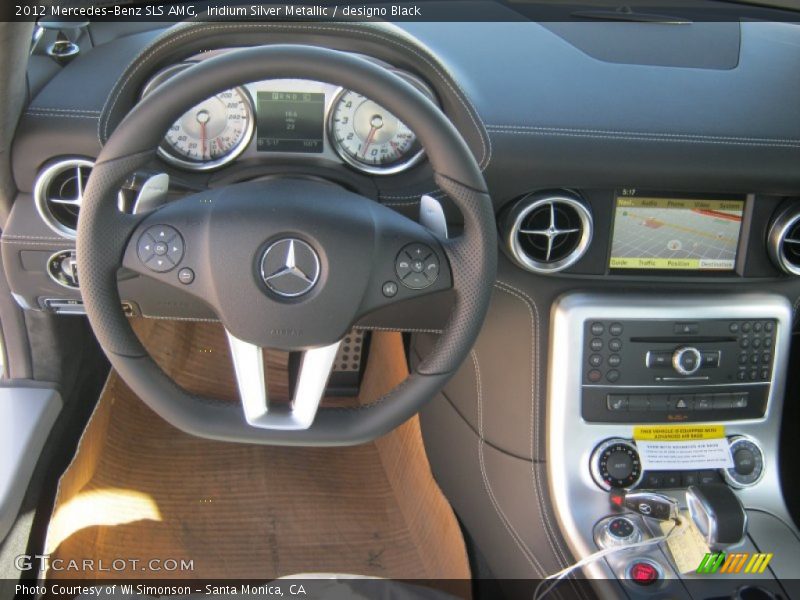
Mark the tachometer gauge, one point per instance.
(369, 137)
(212, 133)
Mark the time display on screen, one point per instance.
(290, 121)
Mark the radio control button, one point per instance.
(711, 360)
(739, 400)
(721, 401)
(615, 345)
(657, 360)
(596, 345)
(703, 402)
(769, 326)
(613, 376)
(680, 402)
(614, 360)
(733, 327)
(594, 376)
(615, 329)
(595, 360)
(746, 327)
(685, 328)
(744, 342)
(756, 327)
(617, 402)
(658, 403)
(687, 360)
(597, 328)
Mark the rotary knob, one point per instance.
(615, 464)
(748, 462)
(686, 360)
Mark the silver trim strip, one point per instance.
(577, 500)
(315, 368)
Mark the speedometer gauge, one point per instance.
(369, 137)
(212, 133)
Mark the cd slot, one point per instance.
(695, 339)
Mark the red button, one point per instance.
(643, 573)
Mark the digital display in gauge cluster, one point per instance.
(290, 121)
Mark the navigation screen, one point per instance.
(290, 121)
(661, 232)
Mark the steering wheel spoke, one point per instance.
(315, 369)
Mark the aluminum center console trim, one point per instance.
(578, 502)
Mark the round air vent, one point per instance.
(548, 232)
(784, 241)
(59, 193)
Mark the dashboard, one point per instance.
(657, 163)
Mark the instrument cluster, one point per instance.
(280, 118)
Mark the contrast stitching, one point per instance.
(526, 552)
(646, 133)
(486, 143)
(534, 383)
(67, 245)
(395, 329)
(14, 236)
(61, 116)
(62, 110)
(650, 137)
(197, 319)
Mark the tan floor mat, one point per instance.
(140, 489)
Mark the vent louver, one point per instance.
(59, 193)
(784, 241)
(548, 233)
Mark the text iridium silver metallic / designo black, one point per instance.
(579, 502)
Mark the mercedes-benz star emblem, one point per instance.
(290, 267)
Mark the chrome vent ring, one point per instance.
(548, 232)
(59, 193)
(784, 241)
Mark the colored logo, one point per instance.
(737, 562)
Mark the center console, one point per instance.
(620, 363)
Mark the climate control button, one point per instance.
(748, 462)
(615, 464)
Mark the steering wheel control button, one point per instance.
(290, 267)
(186, 276)
(160, 248)
(417, 266)
(389, 289)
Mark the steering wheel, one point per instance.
(288, 264)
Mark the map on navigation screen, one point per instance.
(676, 233)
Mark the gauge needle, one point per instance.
(375, 124)
(203, 117)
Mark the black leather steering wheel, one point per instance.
(328, 251)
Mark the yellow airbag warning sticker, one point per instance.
(678, 433)
(680, 447)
